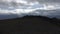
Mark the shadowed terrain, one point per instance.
(30, 25)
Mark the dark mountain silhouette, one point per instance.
(30, 24)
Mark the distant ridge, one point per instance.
(51, 20)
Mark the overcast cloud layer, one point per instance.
(20, 8)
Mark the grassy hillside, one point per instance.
(30, 24)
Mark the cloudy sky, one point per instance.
(20, 8)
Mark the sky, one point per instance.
(20, 8)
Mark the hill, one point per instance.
(30, 24)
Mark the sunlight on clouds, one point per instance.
(21, 1)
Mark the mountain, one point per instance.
(30, 24)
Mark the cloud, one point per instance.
(20, 8)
